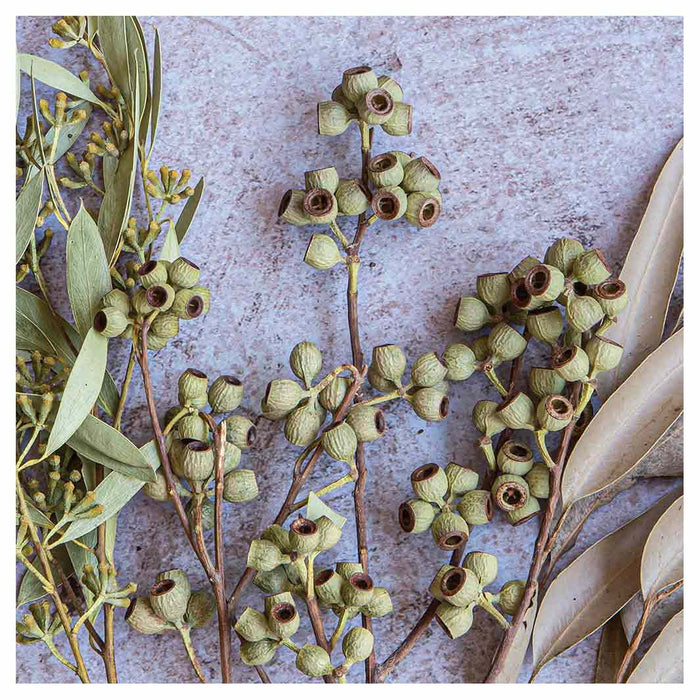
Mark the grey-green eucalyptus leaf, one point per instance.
(663, 663)
(26, 211)
(157, 87)
(171, 247)
(516, 654)
(316, 508)
(189, 210)
(79, 557)
(662, 560)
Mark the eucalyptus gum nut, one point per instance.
(183, 273)
(197, 461)
(430, 483)
(225, 394)
(304, 536)
(347, 568)
(484, 566)
(453, 621)
(240, 432)
(353, 197)
(274, 581)
(357, 644)
(265, 556)
(156, 342)
(378, 382)
(493, 289)
(296, 572)
(427, 370)
(521, 515)
(510, 596)
(258, 653)
(306, 361)
(193, 427)
(562, 253)
(327, 585)
(169, 597)
(240, 486)
(522, 268)
(573, 337)
(118, 300)
(509, 492)
(538, 480)
(505, 342)
(140, 304)
(200, 608)
(158, 489)
(320, 206)
(603, 354)
(430, 404)
(518, 412)
(380, 604)
(332, 396)
(207, 514)
(480, 348)
(612, 296)
(283, 395)
(422, 210)
(545, 324)
(514, 458)
(166, 325)
(367, 422)
(357, 590)
(454, 585)
(403, 157)
(554, 412)
(521, 299)
(460, 362)
(389, 362)
(282, 616)
(375, 107)
(329, 533)
(313, 661)
(291, 208)
(389, 203)
(192, 388)
(583, 313)
(571, 363)
(188, 305)
(302, 425)
(385, 170)
(323, 178)
(277, 535)
(476, 507)
(152, 273)
(391, 86)
(544, 282)
(340, 442)
(450, 531)
(339, 96)
(400, 123)
(143, 619)
(110, 322)
(591, 267)
(420, 175)
(252, 625)
(333, 118)
(322, 252)
(486, 418)
(544, 380)
(416, 515)
(460, 479)
(358, 81)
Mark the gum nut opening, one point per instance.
(362, 582)
(612, 289)
(318, 202)
(383, 162)
(160, 588)
(444, 406)
(197, 446)
(511, 496)
(304, 527)
(250, 435)
(379, 422)
(357, 71)
(283, 612)
(196, 373)
(230, 379)
(428, 213)
(507, 402)
(190, 263)
(407, 518)
(385, 204)
(452, 540)
(558, 407)
(453, 582)
(519, 294)
(580, 289)
(379, 102)
(323, 577)
(284, 202)
(517, 451)
(489, 507)
(156, 296)
(537, 279)
(561, 357)
(130, 610)
(427, 471)
(147, 267)
(431, 167)
(99, 323)
(194, 307)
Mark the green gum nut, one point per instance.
(510, 596)
(340, 443)
(282, 395)
(612, 296)
(505, 342)
(313, 661)
(476, 507)
(282, 616)
(117, 299)
(390, 203)
(544, 380)
(353, 197)
(583, 313)
(291, 208)
(562, 253)
(603, 354)
(571, 363)
(544, 283)
(252, 625)
(166, 325)
(389, 363)
(304, 536)
(140, 303)
(385, 170)
(258, 653)
(367, 422)
(402, 157)
(207, 514)
(200, 608)
(427, 370)
(265, 556)
(279, 536)
(110, 322)
(152, 273)
(143, 619)
(416, 515)
(471, 314)
(430, 483)
(324, 178)
(158, 489)
(160, 296)
(450, 531)
(187, 304)
(358, 81)
(486, 418)
(303, 423)
(193, 427)
(240, 432)
(493, 289)
(423, 209)
(306, 361)
(380, 604)
(420, 175)
(183, 273)
(554, 412)
(333, 394)
(538, 480)
(296, 572)
(375, 107)
(357, 644)
(521, 515)
(522, 301)
(378, 382)
(509, 492)
(430, 404)
(225, 394)
(459, 359)
(400, 123)
(460, 479)
(169, 596)
(545, 324)
(591, 267)
(480, 348)
(192, 388)
(320, 206)
(514, 458)
(484, 566)
(328, 533)
(333, 118)
(347, 568)
(391, 86)
(274, 581)
(518, 412)
(197, 461)
(454, 622)
(322, 252)
(454, 585)
(240, 486)
(357, 590)
(339, 96)
(327, 585)
(522, 268)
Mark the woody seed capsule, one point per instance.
(544, 283)
(476, 507)
(375, 107)
(612, 296)
(562, 254)
(252, 625)
(430, 483)
(169, 596)
(339, 96)
(505, 342)
(240, 431)
(380, 604)
(166, 325)
(543, 381)
(333, 118)
(486, 418)
(306, 361)
(422, 209)
(416, 515)
(357, 644)
(197, 461)
(480, 348)
(514, 458)
(430, 404)
(455, 622)
(510, 492)
(389, 362)
(193, 427)
(390, 203)
(554, 412)
(117, 299)
(200, 608)
(603, 354)
(545, 324)
(143, 619)
(282, 395)
(192, 388)
(427, 370)
(322, 252)
(334, 393)
(385, 170)
(571, 363)
(420, 175)
(327, 585)
(183, 273)
(357, 590)
(225, 394)
(493, 289)
(281, 614)
(320, 206)
(328, 533)
(378, 382)
(538, 480)
(367, 422)
(160, 296)
(358, 81)
(324, 178)
(340, 443)
(313, 661)
(518, 412)
(460, 479)
(187, 304)
(258, 653)
(526, 512)
(450, 531)
(303, 535)
(110, 322)
(400, 122)
(521, 299)
(152, 272)
(291, 208)
(353, 197)
(264, 555)
(591, 267)
(303, 423)
(454, 585)
(583, 313)
(460, 362)
(484, 565)
(240, 486)
(510, 596)
(471, 314)
(522, 268)
(391, 86)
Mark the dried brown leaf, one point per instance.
(611, 650)
(663, 663)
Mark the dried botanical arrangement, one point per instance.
(571, 432)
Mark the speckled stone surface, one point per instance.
(542, 127)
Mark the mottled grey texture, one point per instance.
(542, 127)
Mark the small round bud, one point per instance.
(612, 296)
(544, 283)
(471, 314)
(506, 343)
(538, 480)
(187, 304)
(333, 118)
(303, 423)
(375, 107)
(143, 619)
(367, 422)
(340, 443)
(400, 122)
(306, 361)
(583, 313)
(169, 596)
(193, 427)
(422, 209)
(510, 596)
(420, 175)
(152, 273)
(225, 394)
(591, 267)
(240, 486)
(110, 322)
(324, 179)
(493, 289)
(509, 492)
(562, 253)
(320, 206)
(333, 394)
(521, 515)
(518, 412)
(460, 479)
(450, 531)
(459, 359)
(265, 556)
(554, 412)
(357, 644)
(322, 252)
(357, 590)
(486, 418)
(571, 363)
(166, 325)
(390, 203)
(456, 586)
(430, 483)
(484, 565)
(430, 404)
(258, 653)
(291, 208)
(158, 489)
(545, 324)
(454, 622)
(200, 608)
(514, 458)
(313, 661)
(192, 388)
(353, 197)
(389, 363)
(427, 370)
(358, 81)
(603, 354)
(543, 381)
(183, 273)
(416, 515)
(281, 396)
(327, 585)
(117, 299)
(522, 268)
(385, 170)
(252, 625)
(303, 536)
(328, 533)
(380, 604)
(476, 507)
(240, 431)
(281, 614)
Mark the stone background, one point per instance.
(542, 127)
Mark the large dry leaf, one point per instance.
(650, 272)
(662, 560)
(661, 613)
(26, 211)
(516, 654)
(663, 663)
(628, 424)
(611, 650)
(588, 592)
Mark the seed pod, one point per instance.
(385, 170)
(583, 313)
(155, 342)
(538, 480)
(183, 273)
(139, 303)
(506, 343)
(480, 348)
(486, 418)
(390, 203)
(571, 363)
(339, 96)
(333, 118)
(357, 644)
(324, 178)
(252, 625)
(430, 483)
(327, 585)
(340, 443)
(240, 486)
(358, 81)
(353, 197)
(400, 122)
(543, 381)
(375, 107)
(304, 536)
(514, 458)
(389, 362)
(402, 157)
(208, 514)
(591, 267)
(544, 283)
(422, 209)
(612, 296)
(291, 208)
(143, 619)
(460, 361)
(279, 536)
(166, 325)
(322, 252)
(430, 404)
(484, 565)
(510, 596)
(306, 361)
(328, 533)
(265, 556)
(152, 273)
(450, 531)
(117, 299)
(320, 206)
(509, 492)
(367, 422)
(603, 354)
(274, 581)
(518, 412)
(281, 614)
(493, 289)
(391, 86)
(526, 512)
(303, 423)
(471, 314)
(378, 382)
(522, 300)
(282, 395)
(347, 568)
(193, 427)
(416, 515)
(357, 590)
(522, 268)
(333, 394)
(258, 653)
(420, 175)
(192, 388)
(187, 305)
(562, 253)
(313, 661)
(380, 604)
(110, 322)
(197, 461)
(200, 608)
(554, 412)
(427, 370)
(169, 596)
(460, 479)
(225, 394)
(545, 324)
(456, 586)
(454, 622)
(476, 507)
(158, 489)
(240, 432)
(572, 337)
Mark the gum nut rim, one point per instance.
(559, 407)
(318, 202)
(562, 356)
(382, 162)
(362, 582)
(160, 588)
(427, 471)
(511, 496)
(196, 373)
(283, 612)
(407, 518)
(99, 323)
(380, 422)
(429, 212)
(537, 279)
(385, 204)
(323, 577)
(453, 582)
(379, 102)
(230, 379)
(517, 451)
(194, 307)
(147, 267)
(156, 296)
(519, 295)
(357, 71)
(526, 519)
(284, 202)
(452, 540)
(304, 527)
(431, 167)
(610, 289)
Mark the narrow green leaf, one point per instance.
(189, 210)
(27, 209)
(157, 87)
(80, 557)
(31, 589)
(171, 247)
(316, 508)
